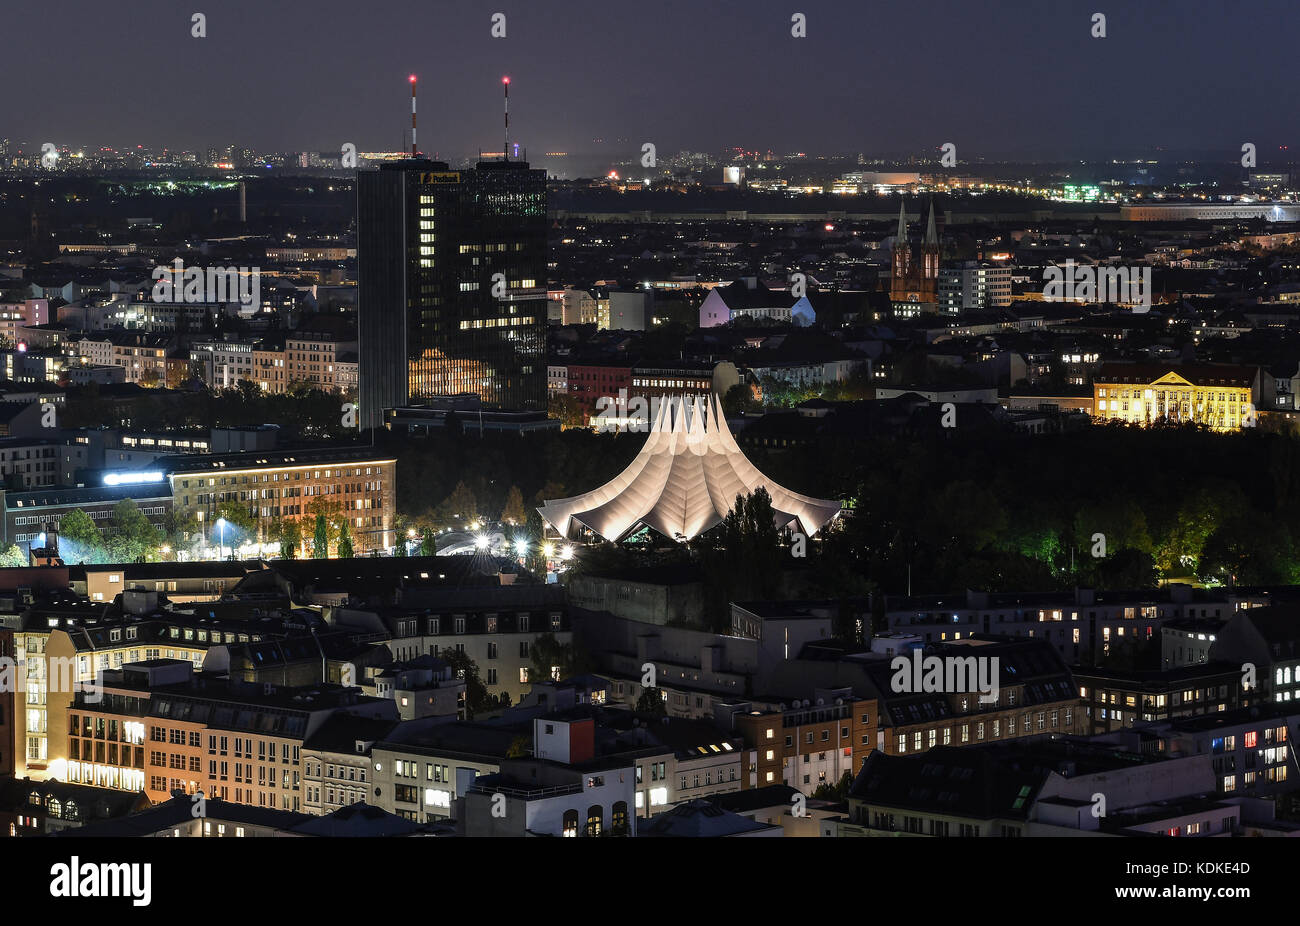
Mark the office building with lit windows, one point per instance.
(353, 483)
(973, 286)
(452, 284)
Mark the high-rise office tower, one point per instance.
(452, 273)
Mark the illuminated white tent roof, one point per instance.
(684, 481)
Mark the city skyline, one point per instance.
(776, 421)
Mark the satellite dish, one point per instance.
(839, 702)
(781, 706)
(821, 701)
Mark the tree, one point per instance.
(13, 557)
(132, 536)
(651, 702)
(740, 399)
(178, 524)
(834, 792)
(477, 698)
(514, 512)
(333, 515)
(289, 533)
(80, 539)
(428, 545)
(460, 505)
(547, 653)
(237, 516)
(345, 542)
(742, 559)
(321, 541)
(568, 409)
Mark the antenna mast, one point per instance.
(505, 152)
(413, 148)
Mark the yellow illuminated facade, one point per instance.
(57, 664)
(1222, 400)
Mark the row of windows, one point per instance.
(1045, 720)
(409, 628)
(278, 477)
(595, 819)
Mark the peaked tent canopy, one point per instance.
(683, 482)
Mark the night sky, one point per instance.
(1019, 78)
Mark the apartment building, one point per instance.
(352, 483)
(1187, 642)
(1028, 789)
(422, 687)
(569, 793)
(34, 462)
(1113, 699)
(143, 356)
(808, 744)
(313, 355)
(420, 771)
(64, 648)
(1084, 626)
(223, 364)
(1030, 691)
(676, 759)
(495, 626)
(1251, 751)
(1267, 640)
(973, 286)
(269, 366)
(236, 742)
(336, 761)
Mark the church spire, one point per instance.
(931, 236)
(902, 222)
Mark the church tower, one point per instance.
(900, 270)
(914, 284)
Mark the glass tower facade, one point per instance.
(452, 270)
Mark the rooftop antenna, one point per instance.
(413, 149)
(505, 152)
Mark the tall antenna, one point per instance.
(413, 149)
(505, 151)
